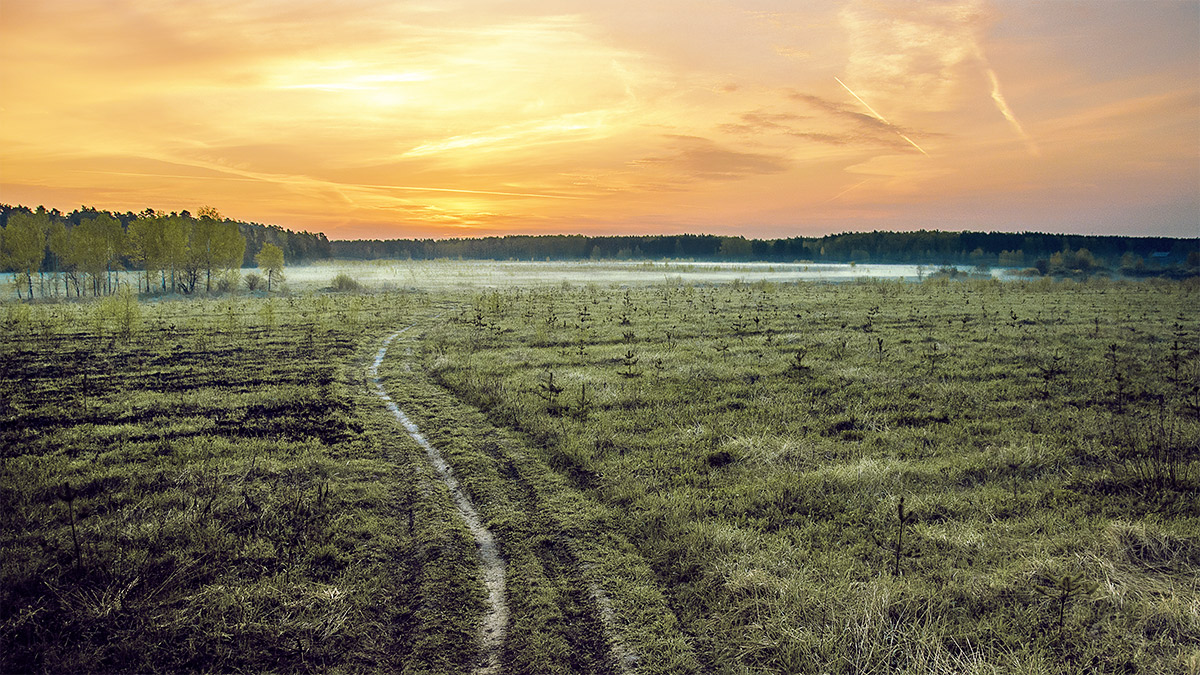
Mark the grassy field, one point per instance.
(867, 477)
(205, 486)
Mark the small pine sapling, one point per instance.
(797, 367)
(582, 411)
(629, 361)
(1062, 590)
(902, 518)
(549, 392)
(1049, 372)
(1117, 373)
(932, 355)
(68, 495)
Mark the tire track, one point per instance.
(495, 621)
(561, 555)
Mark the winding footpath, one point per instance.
(495, 620)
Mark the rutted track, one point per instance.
(569, 595)
(495, 621)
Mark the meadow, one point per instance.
(750, 476)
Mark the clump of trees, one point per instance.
(82, 252)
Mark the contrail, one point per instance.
(868, 105)
(846, 190)
(881, 118)
(1002, 105)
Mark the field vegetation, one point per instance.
(867, 477)
(203, 486)
(873, 477)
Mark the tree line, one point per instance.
(82, 252)
(996, 249)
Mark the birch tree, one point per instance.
(270, 261)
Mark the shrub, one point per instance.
(253, 282)
(344, 282)
(228, 283)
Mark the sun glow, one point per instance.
(377, 119)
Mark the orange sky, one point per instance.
(373, 118)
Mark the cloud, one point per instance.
(841, 110)
(761, 121)
(857, 128)
(703, 159)
(913, 53)
(924, 56)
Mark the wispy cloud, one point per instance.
(702, 158)
(761, 121)
(855, 128)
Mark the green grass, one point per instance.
(240, 502)
(764, 497)
(213, 486)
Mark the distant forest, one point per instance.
(1047, 253)
(88, 244)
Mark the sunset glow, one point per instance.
(402, 119)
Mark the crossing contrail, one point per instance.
(881, 118)
(835, 197)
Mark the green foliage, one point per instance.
(24, 245)
(976, 249)
(95, 246)
(173, 252)
(213, 246)
(270, 260)
(345, 283)
(253, 282)
(121, 313)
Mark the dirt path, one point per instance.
(548, 605)
(495, 621)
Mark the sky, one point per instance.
(764, 118)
